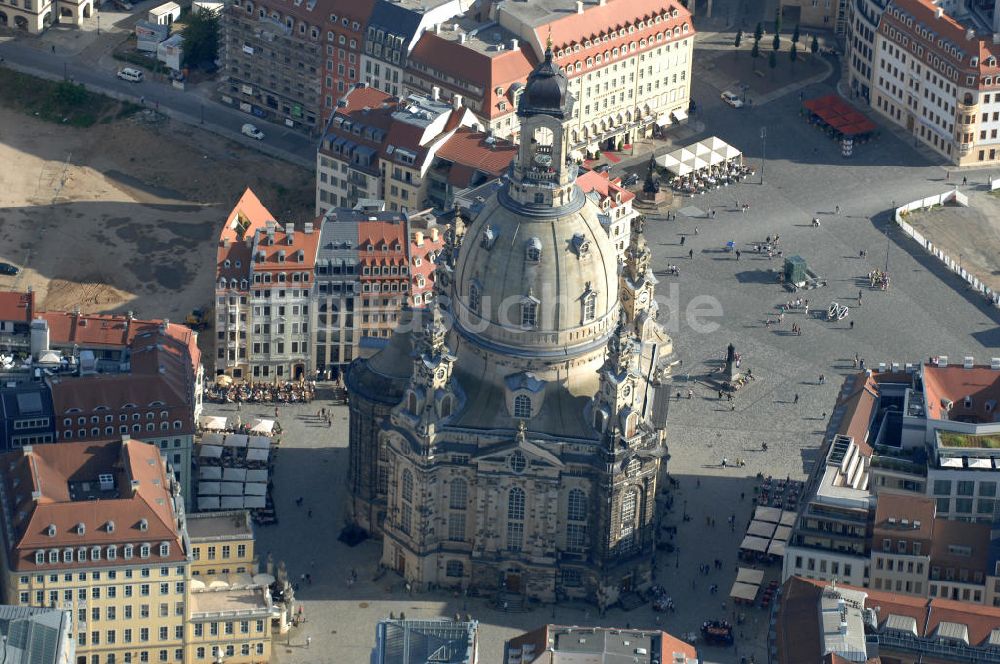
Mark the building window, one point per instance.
(515, 504)
(589, 306)
(533, 250)
(522, 407)
(475, 299)
(576, 505)
(456, 527)
(628, 513)
(459, 496)
(529, 313)
(455, 569)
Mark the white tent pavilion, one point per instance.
(210, 452)
(236, 440)
(208, 503)
(262, 426)
(234, 474)
(257, 455)
(210, 473)
(231, 502)
(768, 514)
(698, 156)
(761, 529)
(746, 592)
(260, 442)
(212, 438)
(208, 488)
(752, 576)
(213, 422)
(751, 543)
(256, 475)
(254, 502)
(254, 489)
(231, 488)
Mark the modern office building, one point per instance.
(553, 644)
(437, 640)
(36, 636)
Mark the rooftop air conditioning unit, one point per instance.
(968, 362)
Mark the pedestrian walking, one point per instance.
(690, 254)
(737, 254)
(965, 180)
(696, 231)
(713, 213)
(683, 239)
(852, 324)
(309, 514)
(836, 209)
(822, 379)
(796, 398)
(947, 175)
(309, 641)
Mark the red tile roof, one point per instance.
(859, 407)
(469, 148)
(307, 243)
(39, 496)
(604, 185)
(899, 506)
(248, 215)
(17, 306)
(359, 98)
(954, 383)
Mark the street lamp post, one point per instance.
(763, 151)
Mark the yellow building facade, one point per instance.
(222, 543)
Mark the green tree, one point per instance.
(795, 35)
(755, 53)
(777, 20)
(814, 46)
(793, 55)
(739, 39)
(758, 32)
(776, 44)
(201, 38)
(772, 61)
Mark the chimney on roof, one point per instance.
(226, 242)
(970, 34)
(307, 228)
(165, 325)
(456, 102)
(513, 44)
(437, 28)
(435, 93)
(938, 12)
(461, 38)
(579, 6)
(290, 232)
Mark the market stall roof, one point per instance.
(236, 440)
(260, 442)
(231, 502)
(262, 426)
(208, 488)
(697, 156)
(254, 502)
(835, 111)
(744, 591)
(255, 489)
(212, 438)
(752, 576)
(257, 455)
(776, 548)
(761, 529)
(210, 452)
(256, 475)
(210, 473)
(208, 503)
(231, 488)
(768, 514)
(234, 474)
(213, 422)
(782, 533)
(787, 518)
(751, 543)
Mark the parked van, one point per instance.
(252, 131)
(130, 74)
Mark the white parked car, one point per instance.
(252, 131)
(731, 99)
(130, 74)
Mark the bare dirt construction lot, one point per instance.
(970, 235)
(122, 215)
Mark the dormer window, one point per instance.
(164, 549)
(522, 407)
(143, 525)
(533, 250)
(39, 557)
(127, 552)
(589, 305)
(51, 530)
(81, 529)
(529, 313)
(144, 551)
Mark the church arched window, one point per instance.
(529, 313)
(459, 495)
(589, 306)
(475, 298)
(630, 502)
(522, 407)
(576, 505)
(407, 486)
(515, 504)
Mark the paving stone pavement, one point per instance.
(925, 313)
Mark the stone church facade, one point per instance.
(511, 435)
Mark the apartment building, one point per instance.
(938, 77)
(615, 202)
(229, 624)
(97, 529)
(26, 416)
(820, 621)
(222, 543)
(901, 544)
(377, 146)
(393, 27)
(272, 57)
(863, 17)
(36, 16)
(628, 64)
(345, 39)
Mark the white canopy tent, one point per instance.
(260, 442)
(210, 452)
(254, 502)
(254, 454)
(234, 474)
(208, 488)
(213, 422)
(208, 503)
(698, 156)
(236, 440)
(210, 473)
(212, 438)
(262, 426)
(256, 475)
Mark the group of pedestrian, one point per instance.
(325, 416)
